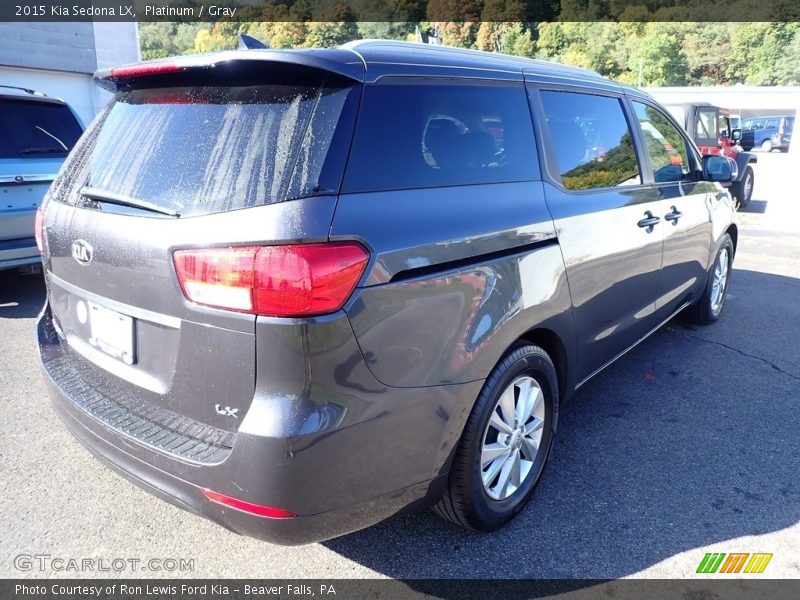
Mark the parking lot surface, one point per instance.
(689, 444)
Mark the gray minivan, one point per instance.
(298, 292)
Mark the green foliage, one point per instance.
(372, 30)
(787, 68)
(508, 38)
(658, 59)
(653, 53)
(756, 51)
(552, 40)
(708, 52)
(330, 34)
(159, 40)
(221, 36)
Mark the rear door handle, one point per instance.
(649, 221)
(673, 216)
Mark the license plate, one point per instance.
(111, 332)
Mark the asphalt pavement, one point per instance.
(689, 444)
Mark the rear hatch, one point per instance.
(234, 154)
(36, 134)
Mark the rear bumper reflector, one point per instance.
(248, 507)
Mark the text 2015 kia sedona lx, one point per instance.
(298, 292)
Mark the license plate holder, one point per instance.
(112, 332)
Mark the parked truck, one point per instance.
(712, 129)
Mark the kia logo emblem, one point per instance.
(82, 252)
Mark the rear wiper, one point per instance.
(122, 200)
(43, 151)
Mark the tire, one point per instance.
(743, 190)
(709, 306)
(766, 145)
(467, 500)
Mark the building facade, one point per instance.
(59, 59)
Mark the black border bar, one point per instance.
(389, 589)
(430, 11)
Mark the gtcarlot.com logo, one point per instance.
(48, 562)
(735, 562)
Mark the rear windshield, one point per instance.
(35, 129)
(205, 149)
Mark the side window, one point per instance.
(707, 125)
(416, 135)
(665, 145)
(725, 126)
(591, 140)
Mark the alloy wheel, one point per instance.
(719, 282)
(513, 438)
(748, 187)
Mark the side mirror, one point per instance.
(719, 168)
(736, 135)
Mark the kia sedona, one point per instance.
(36, 134)
(300, 291)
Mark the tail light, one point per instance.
(38, 229)
(293, 280)
(248, 507)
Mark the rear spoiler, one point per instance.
(340, 62)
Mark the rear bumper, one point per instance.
(19, 253)
(336, 481)
(303, 529)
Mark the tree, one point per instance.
(461, 34)
(333, 26)
(278, 34)
(222, 36)
(552, 40)
(158, 40)
(516, 39)
(756, 50)
(708, 52)
(787, 69)
(383, 30)
(508, 38)
(663, 53)
(658, 59)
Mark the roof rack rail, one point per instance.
(22, 89)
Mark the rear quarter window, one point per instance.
(413, 134)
